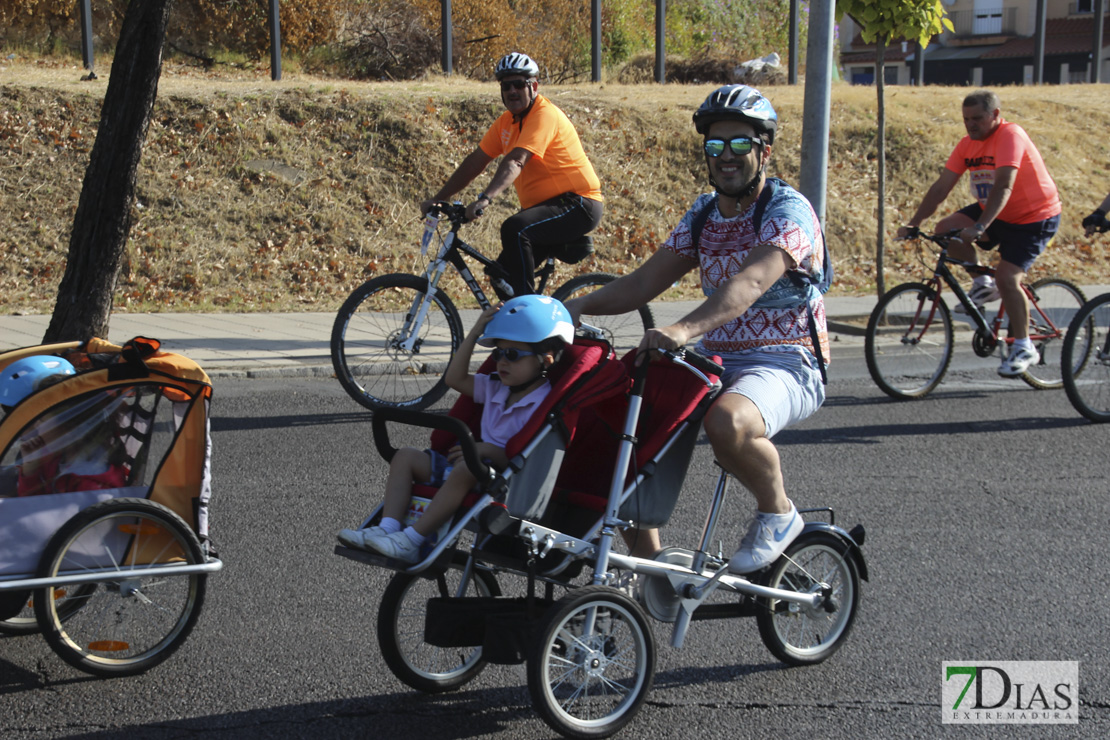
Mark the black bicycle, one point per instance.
(1086, 359)
(395, 334)
(910, 333)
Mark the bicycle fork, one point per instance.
(408, 339)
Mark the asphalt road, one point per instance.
(985, 506)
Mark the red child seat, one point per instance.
(673, 397)
(587, 374)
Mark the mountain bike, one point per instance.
(1086, 358)
(395, 334)
(910, 332)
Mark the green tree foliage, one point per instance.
(894, 20)
(884, 21)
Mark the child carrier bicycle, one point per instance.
(104, 489)
(608, 450)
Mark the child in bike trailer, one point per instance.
(528, 335)
(69, 451)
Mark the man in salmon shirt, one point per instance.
(1017, 208)
(542, 156)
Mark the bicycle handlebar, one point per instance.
(913, 232)
(455, 212)
(698, 364)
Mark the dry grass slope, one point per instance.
(255, 195)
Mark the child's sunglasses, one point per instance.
(512, 354)
(507, 85)
(740, 145)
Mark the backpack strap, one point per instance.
(697, 223)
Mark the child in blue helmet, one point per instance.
(528, 334)
(68, 449)
(23, 377)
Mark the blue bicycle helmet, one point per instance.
(21, 378)
(515, 63)
(741, 103)
(529, 319)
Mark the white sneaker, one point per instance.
(1018, 362)
(768, 537)
(355, 537)
(980, 294)
(397, 546)
(984, 293)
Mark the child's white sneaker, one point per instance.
(355, 537)
(398, 546)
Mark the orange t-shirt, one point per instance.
(558, 164)
(1034, 197)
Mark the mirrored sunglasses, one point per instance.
(740, 145)
(512, 354)
(507, 85)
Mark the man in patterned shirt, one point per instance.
(754, 316)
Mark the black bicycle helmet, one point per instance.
(738, 102)
(515, 63)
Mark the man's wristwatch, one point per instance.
(486, 198)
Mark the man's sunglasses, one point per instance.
(740, 145)
(512, 354)
(507, 85)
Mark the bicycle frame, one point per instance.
(943, 275)
(451, 253)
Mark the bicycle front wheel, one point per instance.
(593, 664)
(1058, 301)
(909, 341)
(1086, 360)
(392, 341)
(401, 637)
(622, 331)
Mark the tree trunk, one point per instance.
(103, 220)
(880, 73)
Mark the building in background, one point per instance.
(992, 43)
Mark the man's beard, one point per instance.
(744, 190)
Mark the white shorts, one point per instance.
(785, 386)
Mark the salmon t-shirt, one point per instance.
(558, 164)
(1034, 197)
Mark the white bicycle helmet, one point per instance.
(515, 63)
(738, 102)
(21, 378)
(529, 319)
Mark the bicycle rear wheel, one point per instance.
(1060, 301)
(909, 341)
(800, 635)
(622, 331)
(1086, 360)
(383, 353)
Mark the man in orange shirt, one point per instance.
(1017, 208)
(542, 156)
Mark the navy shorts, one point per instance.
(1018, 244)
(440, 469)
